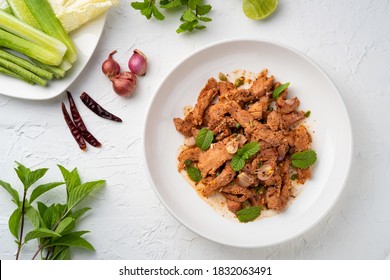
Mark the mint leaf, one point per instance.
(38, 191)
(14, 194)
(170, 4)
(194, 174)
(40, 233)
(304, 159)
(203, 9)
(193, 3)
(204, 139)
(14, 223)
(51, 216)
(248, 214)
(33, 216)
(82, 191)
(61, 253)
(237, 163)
(249, 150)
(279, 90)
(157, 14)
(139, 5)
(189, 15)
(205, 19)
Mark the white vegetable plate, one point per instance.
(329, 122)
(86, 39)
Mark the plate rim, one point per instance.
(258, 41)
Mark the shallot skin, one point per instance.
(138, 63)
(110, 67)
(124, 83)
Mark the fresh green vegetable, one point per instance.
(250, 149)
(21, 11)
(15, 68)
(50, 47)
(53, 225)
(307, 114)
(56, 70)
(277, 91)
(204, 139)
(26, 65)
(51, 25)
(193, 12)
(239, 82)
(194, 173)
(248, 214)
(14, 75)
(304, 159)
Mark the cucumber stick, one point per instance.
(30, 49)
(21, 11)
(50, 24)
(20, 29)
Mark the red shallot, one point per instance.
(138, 63)
(110, 67)
(124, 83)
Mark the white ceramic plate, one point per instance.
(332, 140)
(86, 39)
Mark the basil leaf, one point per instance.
(279, 90)
(14, 223)
(14, 193)
(248, 214)
(169, 5)
(139, 5)
(38, 191)
(189, 15)
(81, 192)
(204, 139)
(237, 163)
(304, 159)
(65, 225)
(194, 174)
(28, 177)
(74, 241)
(40, 233)
(77, 214)
(33, 216)
(72, 178)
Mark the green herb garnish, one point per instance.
(193, 14)
(250, 149)
(194, 174)
(248, 214)
(304, 159)
(187, 162)
(294, 177)
(279, 90)
(204, 139)
(222, 77)
(53, 225)
(307, 114)
(239, 82)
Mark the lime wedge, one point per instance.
(259, 9)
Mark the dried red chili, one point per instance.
(97, 109)
(80, 123)
(73, 128)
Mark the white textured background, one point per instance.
(350, 40)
